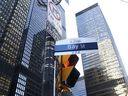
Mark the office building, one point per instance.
(13, 15)
(63, 21)
(79, 88)
(104, 72)
(23, 48)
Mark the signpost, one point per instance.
(54, 29)
(75, 46)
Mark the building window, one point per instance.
(20, 88)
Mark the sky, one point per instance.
(116, 15)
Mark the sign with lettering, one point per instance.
(54, 17)
(75, 46)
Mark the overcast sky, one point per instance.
(116, 15)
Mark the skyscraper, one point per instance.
(28, 77)
(13, 15)
(22, 47)
(104, 72)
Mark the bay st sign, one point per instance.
(75, 46)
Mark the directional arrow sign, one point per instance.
(75, 46)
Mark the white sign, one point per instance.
(54, 16)
(75, 41)
(76, 46)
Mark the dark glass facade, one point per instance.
(13, 15)
(34, 78)
(24, 46)
(28, 80)
(104, 72)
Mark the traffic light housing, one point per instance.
(69, 60)
(70, 76)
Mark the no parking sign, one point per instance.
(54, 17)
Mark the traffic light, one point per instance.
(70, 76)
(69, 60)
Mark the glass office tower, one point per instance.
(28, 77)
(104, 72)
(13, 15)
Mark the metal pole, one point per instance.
(49, 73)
(54, 78)
(49, 67)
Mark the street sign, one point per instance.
(75, 46)
(54, 18)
